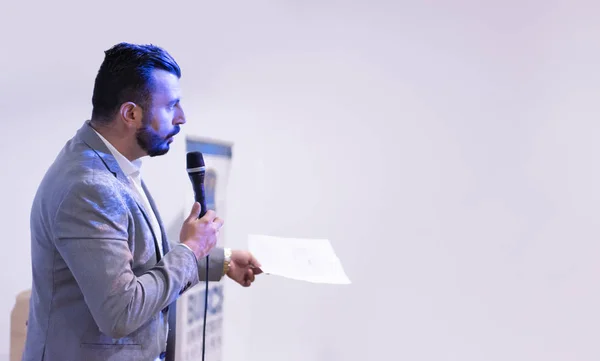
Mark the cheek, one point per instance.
(161, 124)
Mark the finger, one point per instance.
(209, 216)
(218, 222)
(195, 213)
(257, 270)
(249, 275)
(254, 262)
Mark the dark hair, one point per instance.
(126, 75)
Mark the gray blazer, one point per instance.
(100, 289)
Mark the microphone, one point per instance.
(196, 170)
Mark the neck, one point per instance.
(125, 143)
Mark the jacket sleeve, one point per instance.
(90, 229)
(216, 260)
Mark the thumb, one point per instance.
(195, 213)
(254, 262)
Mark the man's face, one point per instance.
(160, 123)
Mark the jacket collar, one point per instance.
(88, 135)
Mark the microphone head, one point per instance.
(195, 161)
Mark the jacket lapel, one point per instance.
(89, 137)
(143, 210)
(165, 242)
(170, 310)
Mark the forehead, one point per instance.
(165, 86)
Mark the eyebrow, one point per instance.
(174, 101)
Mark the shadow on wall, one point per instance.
(18, 325)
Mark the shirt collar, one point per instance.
(131, 169)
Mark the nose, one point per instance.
(179, 116)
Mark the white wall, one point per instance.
(448, 151)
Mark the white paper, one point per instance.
(311, 260)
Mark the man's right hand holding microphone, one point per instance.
(201, 234)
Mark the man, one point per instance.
(105, 278)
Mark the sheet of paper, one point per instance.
(311, 260)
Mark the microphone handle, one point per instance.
(198, 186)
(200, 199)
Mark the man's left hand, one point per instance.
(243, 267)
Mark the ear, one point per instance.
(131, 114)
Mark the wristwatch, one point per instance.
(227, 260)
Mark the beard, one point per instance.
(152, 142)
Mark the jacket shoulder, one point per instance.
(77, 169)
